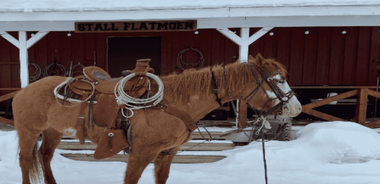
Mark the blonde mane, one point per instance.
(198, 82)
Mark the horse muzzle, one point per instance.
(292, 108)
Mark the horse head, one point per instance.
(271, 93)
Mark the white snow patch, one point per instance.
(329, 153)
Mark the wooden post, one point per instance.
(243, 113)
(244, 40)
(23, 44)
(361, 106)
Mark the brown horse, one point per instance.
(153, 131)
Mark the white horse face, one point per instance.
(291, 108)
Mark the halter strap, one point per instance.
(215, 90)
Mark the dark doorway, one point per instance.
(124, 51)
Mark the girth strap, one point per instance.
(181, 115)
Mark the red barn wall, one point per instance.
(325, 56)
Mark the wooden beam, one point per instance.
(373, 93)
(35, 38)
(373, 124)
(23, 54)
(7, 121)
(321, 115)
(10, 38)
(189, 146)
(124, 158)
(333, 87)
(243, 113)
(8, 96)
(330, 99)
(10, 89)
(361, 106)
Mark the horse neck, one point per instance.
(203, 101)
(233, 81)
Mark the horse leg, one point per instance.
(138, 160)
(29, 156)
(50, 141)
(162, 166)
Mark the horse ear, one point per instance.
(251, 59)
(260, 59)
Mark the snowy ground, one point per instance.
(323, 153)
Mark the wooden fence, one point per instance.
(362, 93)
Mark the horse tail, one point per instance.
(36, 170)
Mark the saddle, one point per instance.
(97, 86)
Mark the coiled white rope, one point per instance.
(137, 103)
(75, 101)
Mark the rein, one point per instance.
(280, 95)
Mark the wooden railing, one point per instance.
(7, 97)
(362, 93)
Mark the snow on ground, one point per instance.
(328, 153)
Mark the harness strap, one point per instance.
(215, 90)
(80, 123)
(181, 115)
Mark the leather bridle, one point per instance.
(280, 95)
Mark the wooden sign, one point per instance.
(142, 26)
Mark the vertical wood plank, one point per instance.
(283, 46)
(337, 56)
(89, 48)
(64, 49)
(53, 47)
(218, 47)
(270, 44)
(164, 53)
(350, 55)
(41, 51)
(229, 51)
(77, 51)
(5, 70)
(363, 56)
(310, 57)
(257, 46)
(243, 113)
(101, 50)
(361, 106)
(323, 56)
(296, 56)
(374, 60)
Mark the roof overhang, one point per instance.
(296, 16)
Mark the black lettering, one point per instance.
(81, 27)
(179, 25)
(162, 26)
(133, 27)
(89, 27)
(106, 27)
(98, 27)
(126, 26)
(172, 25)
(113, 27)
(143, 26)
(189, 25)
(152, 25)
